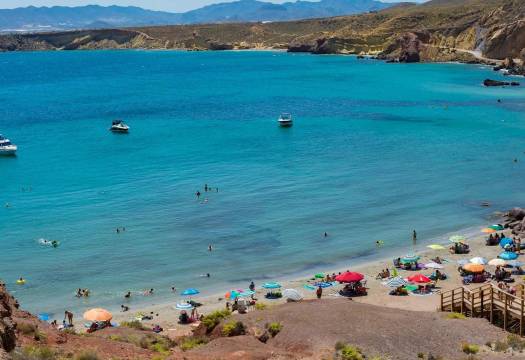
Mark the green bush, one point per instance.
(26, 328)
(134, 324)
(501, 346)
(191, 343)
(455, 315)
(349, 352)
(158, 344)
(233, 328)
(213, 319)
(420, 355)
(470, 349)
(87, 355)
(274, 328)
(35, 353)
(516, 342)
(260, 306)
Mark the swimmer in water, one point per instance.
(198, 194)
(325, 234)
(124, 308)
(173, 289)
(128, 295)
(54, 243)
(206, 187)
(118, 231)
(210, 248)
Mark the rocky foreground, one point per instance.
(440, 30)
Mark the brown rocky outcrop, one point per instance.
(7, 326)
(406, 48)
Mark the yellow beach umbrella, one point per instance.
(488, 230)
(474, 268)
(98, 315)
(436, 247)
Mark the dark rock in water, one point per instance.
(300, 47)
(220, 46)
(360, 57)
(489, 82)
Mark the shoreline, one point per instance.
(165, 315)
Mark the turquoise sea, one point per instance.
(376, 151)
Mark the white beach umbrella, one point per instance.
(479, 260)
(292, 294)
(497, 262)
(433, 265)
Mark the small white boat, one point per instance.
(119, 126)
(285, 120)
(6, 147)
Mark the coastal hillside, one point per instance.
(60, 18)
(310, 329)
(440, 30)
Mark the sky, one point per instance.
(165, 5)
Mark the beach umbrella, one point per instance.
(409, 258)
(433, 265)
(292, 294)
(436, 247)
(43, 316)
(97, 314)
(319, 276)
(462, 262)
(418, 278)
(506, 242)
(478, 260)
(496, 227)
(507, 255)
(349, 277)
(190, 292)
(271, 285)
(514, 263)
(497, 262)
(183, 306)
(246, 293)
(488, 231)
(396, 282)
(473, 268)
(457, 239)
(232, 294)
(323, 284)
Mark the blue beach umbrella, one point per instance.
(462, 262)
(271, 285)
(43, 316)
(323, 284)
(506, 242)
(190, 292)
(410, 258)
(246, 293)
(507, 255)
(514, 263)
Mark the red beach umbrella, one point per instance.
(418, 278)
(349, 277)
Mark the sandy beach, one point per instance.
(378, 294)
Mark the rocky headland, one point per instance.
(473, 31)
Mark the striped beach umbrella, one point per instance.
(409, 259)
(396, 282)
(497, 227)
(488, 231)
(183, 306)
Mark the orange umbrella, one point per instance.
(488, 231)
(97, 315)
(474, 268)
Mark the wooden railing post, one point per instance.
(482, 311)
(505, 313)
(521, 318)
(462, 298)
(491, 305)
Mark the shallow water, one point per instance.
(376, 151)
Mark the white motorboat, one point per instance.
(6, 147)
(119, 126)
(285, 120)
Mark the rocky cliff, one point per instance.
(440, 30)
(8, 306)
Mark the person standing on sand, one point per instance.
(319, 292)
(414, 237)
(69, 316)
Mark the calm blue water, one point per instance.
(376, 151)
